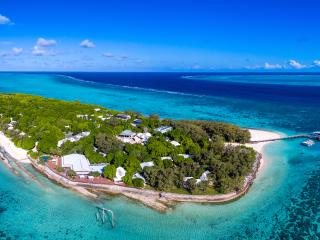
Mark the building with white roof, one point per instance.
(163, 129)
(98, 167)
(120, 173)
(146, 164)
(123, 116)
(74, 138)
(175, 143)
(185, 155)
(76, 162)
(166, 158)
(138, 175)
(204, 176)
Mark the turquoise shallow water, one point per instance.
(273, 208)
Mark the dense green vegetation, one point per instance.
(46, 121)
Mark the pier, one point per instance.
(284, 138)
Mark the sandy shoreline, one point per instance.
(161, 201)
(8, 146)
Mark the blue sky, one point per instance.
(176, 35)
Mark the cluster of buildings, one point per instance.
(73, 138)
(131, 137)
(82, 167)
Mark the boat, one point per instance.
(308, 143)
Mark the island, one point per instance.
(156, 161)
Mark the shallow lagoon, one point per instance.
(31, 211)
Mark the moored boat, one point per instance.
(308, 143)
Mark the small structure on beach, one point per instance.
(76, 162)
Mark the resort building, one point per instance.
(144, 137)
(74, 138)
(128, 136)
(83, 116)
(138, 175)
(204, 176)
(137, 122)
(187, 178)
(76, 162)
(98, 167)
(163, 129)
(146, 164)
(185, 155)
(166, 158)
(175, 143)
(123, 116)
(120, 173)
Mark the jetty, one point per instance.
(314, 135)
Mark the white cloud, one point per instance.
(87, 44)
(17, 51)
(270, 66)
(108, 54)
(4, 20)
(46, 42)
(316, 63)
(38, 51)
(41, 47)
(296, 65)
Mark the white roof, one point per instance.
(187, 178)
(146, 164)
(185, 155)
(163, 129)
(98, 167)
(175, 143)
(119, 174)
(166, 158)
(77, 162)
(138, 175)
(204, 176)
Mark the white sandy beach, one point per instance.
(15, 152)
(260, 135)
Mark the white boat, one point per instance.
(308, 143)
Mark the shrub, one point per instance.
(71, 173)
(138, 182)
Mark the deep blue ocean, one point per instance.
(283, 203)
